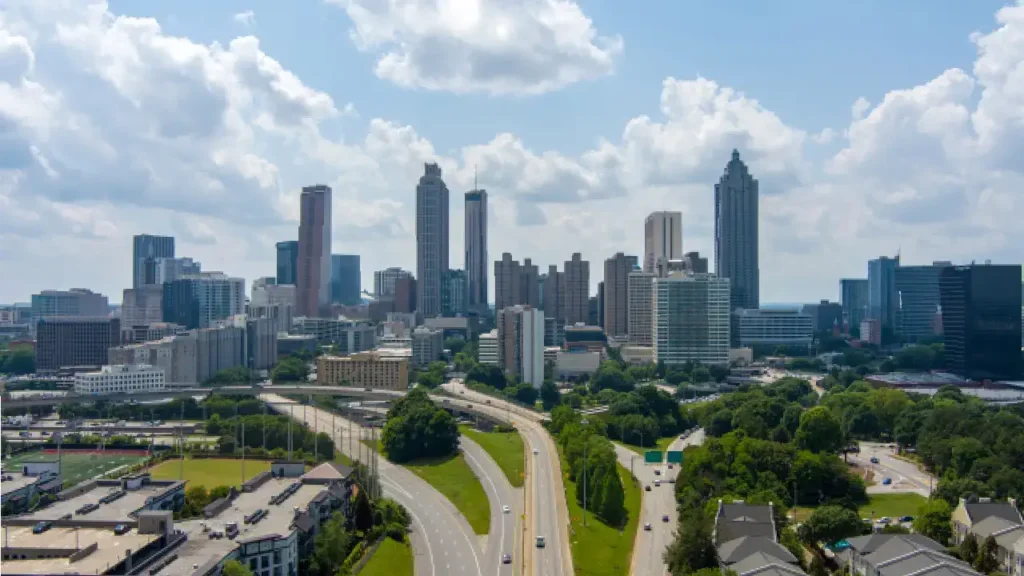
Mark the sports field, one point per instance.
(79, 465)
(208, 472)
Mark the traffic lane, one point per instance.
(657, 503)
(904, 476)
(887, 457)
(502, 536)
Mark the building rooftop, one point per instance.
(117, 509)
(14, 481)
(110, 549)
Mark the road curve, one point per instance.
(506, 528)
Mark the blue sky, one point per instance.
(191, 118)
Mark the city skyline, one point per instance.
(834, 192)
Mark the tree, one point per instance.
(700, 375)
(830, 524)
(819, 431)
(363, 512)
(526, 394)
(18, 361)
(235, 568)
(454, 345)
(986, 561)
(969, 548)
(331, 546)
(933, 520)
(693, 548)
(817, 567)
(291, 369)
(549, 394)
(417, 428)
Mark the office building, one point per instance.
(146, 248)
(287, 261)
(883, 300)
(273, 294)
(313, 266)
(768, 328)
(663, 238)
(372, 370)
(454, 287)
(65, 303)
(594, 312)
(384, 281)
(981, 321)
(261, 343)
(431, 240)
(584, 338)
(347, 336)
(405, 295)
(141, 307)
(871, 331)
(641, 307)
(476, 249)
(919, 302)
(219, 348)
(63, 342)
(120, 379)
(694, 263)
(520, 336)
(488, 348)
(346, 283)
(149, 333)
(176, 355)
(615, 300)
(553, 304)
(826, 316)
(577, 289)
(854, 292)
(691, 318)
(199, 301)
(171, 269)
(427, 346)
(736, 233)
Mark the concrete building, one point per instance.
(663, 238)
(736, 233)
(406, 295)
(427, 346)
(487, 351)
(453, 327)
(292, 344)
(980, 324)
(120, 379)
(176, 355)
(694, 263)
(769, 327)
(170, 269)
(515, 283)
(313, 264)
(74, 341)
(273, 294)
(280, 314)
(261, 343)
(919, 301)
(691, 319)
(384, 281)
(454, 288)
(883, 299)
(476, 250)
(141, 307)
(150, 333)
(854, 298)
(584, 337)
(346, 279)
(520, 336)
(431, 240)
(146, 248)
(19, 487)
(348, 336)
(641, 308)
(219, 348)
(871, 331)
(576, 365)
(287, 262)
(199, 301)
(825, 315)
(577, 289)
(65, 303)
(553, 304)
(616, 294)
(364, 370)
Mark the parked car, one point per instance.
(906, 518)
(887, 481)
(874, 459)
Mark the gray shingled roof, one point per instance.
(865, 545)
(900, 546)
(926, 562)
(755, 562)
(774, 570)
(740, 548)
(991, 525)
(979, 511)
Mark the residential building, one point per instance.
(346, 282)
(279, 313)
(142, 306)
(594, 312)
(487, 348)
(600, 304)
(364, 370)
(768, 327)
(515, 283)
(219, 348)
(199, 301)
(1000, 520)
(120, 379)
(520, 336)
(980, 320)
(431, 240)
(825, 315)
(476, 250)
(663, 238)
(384, 281)
(427, 346)
(883, 300)
(176, 355)
(615, 300)
(919, 301)
(170, 269)
(406, 295)
(65, 303)
(747, 541)
(454, 286)
(736, 233)
(553, 304)
(261, 343)
(287, 262)
(691, 319)
(871, 331)
(313, 264)
(146, 248)
(554, 332)
(75, 341)
(641, 307)
(854, 292)
(577, 289)
(348, 336)
(901, 555)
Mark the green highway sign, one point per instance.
(652, 457)
(674, 456)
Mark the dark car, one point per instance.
(874, 459)
(121, 529)
(647, 526)
(906, 518)
(647, 488)
(42, 527)
(506, 559)
(657, 472)
(664, 518)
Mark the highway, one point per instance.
(660, 501)
(545, 489)
(906, 476)
(506, 534)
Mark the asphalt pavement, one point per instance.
(506, 528)
(905, 476)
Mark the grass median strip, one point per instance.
(597, 548)
(453, 477)
(506, 448)
(390, 559)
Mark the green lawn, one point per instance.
(599, 549)
(76, 466)
(505, 447)
(391, 559)
(453, 477)
(892, 505)
(209, 472)
(661, 444)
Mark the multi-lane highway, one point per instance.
(506, 534)
(659, 502)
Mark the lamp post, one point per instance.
(585, 439)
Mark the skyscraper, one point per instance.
(736, 236)
(521, 343)
(346, 285)
(145, 250)
(577, 289)
(313, 267)
(691, 319)
(918, 289)
(529, 287)
(981, 306)
(515, 283)
(883, 299)
(453, 293)
(287, 261)
(553, 300)
(616, 294)
(431, 240)
(854, 292)
(198, 301)
(663, 238)
(476, 249)
(641, 307)
(384, 281)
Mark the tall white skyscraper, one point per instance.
(476, 249)
(663, 238)
(691, 319)
(431, 240)
(520, 336)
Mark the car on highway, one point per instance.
(669, 466)
(535, 451)
(647, 526)
(874, 459)
(506, 559)
(657, 482)
(664, 518)
(887, 481)
(647, 488)
(505, 509)
(657, 472)
(540, 541)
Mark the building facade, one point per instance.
(487, 351)
(771, 327)
(663, 238)
(346, 283)
(431, 240)
(121, 379)
(476, 250)
(883, 299)
(146, 248)
(75, 341)
(919, 301)
(170, 269)
(348, 336)
(142, 306)
(406, 290)
(199, 301)
(176, 355)
(520, 339)
(981, 325)
(427, 346)
(691, 319)
(313, 264)
(287, 261)
(825, 315)
(577, 289)
(854, 293)
(641, 308)
(364, 370)
(736, 233)
(384, 281)
(515, 283)
(553, 305)
(871, 331)
(615, 301)
(65, 303)
(454, 293)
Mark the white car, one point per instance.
(506, 509)
(535, 451)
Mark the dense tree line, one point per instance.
(224, 406)
(290, 369)
(276, 429)
(418, 428)
(340, 543)
(644, 415)
(591, 462)
(21, 360)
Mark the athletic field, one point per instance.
(77, 466)
(208, 472)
